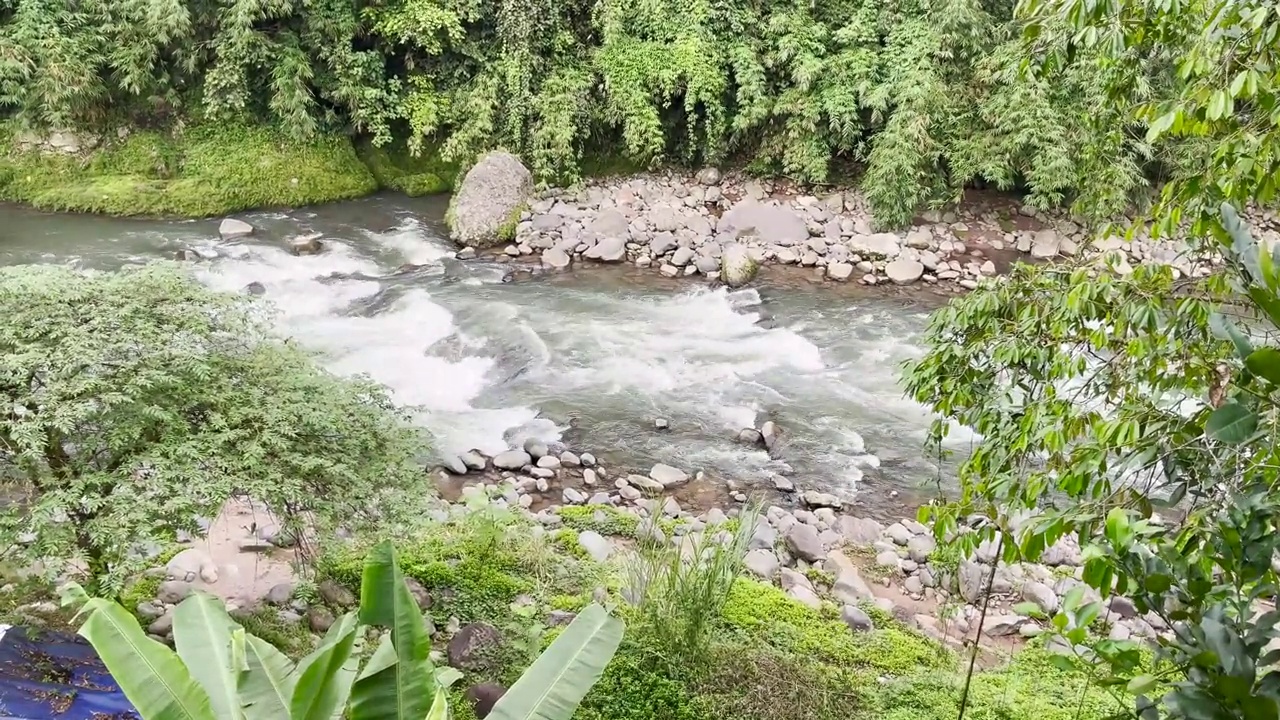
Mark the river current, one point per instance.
(591, 357)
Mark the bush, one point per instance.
(633, 688)
(148, 400)
(396, 168)
(604, 519)
(679, 589)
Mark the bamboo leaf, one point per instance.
(555, 684)
(151, 675)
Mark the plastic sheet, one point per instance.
(47, 675)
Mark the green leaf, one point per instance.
(1028, 609)
(1265, 363)
(399, 682)
(1161, 125)
(439, 708)
(1227, 330)
(1231, 423)
(202, 636)
(1141, 684)
(447, 676)
(266, 689)
(555, 684)
(318, 694)
(150, 674)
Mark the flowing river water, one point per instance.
(591, 357)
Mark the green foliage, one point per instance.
(220, 671)
(395, 168)
(1103, 400)
(1200, 77)
(475, 562)
(204, 170)
(604, 519)
(1030, 686)
(765, 612)
(923, 97)
(632, 688)
(142, 400)
(680, 588)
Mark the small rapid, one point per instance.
(591, 357)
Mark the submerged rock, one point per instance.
(306, 244)
(488, 203)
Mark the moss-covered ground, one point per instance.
(205, 170)
(771, 657)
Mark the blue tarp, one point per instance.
(46, 675)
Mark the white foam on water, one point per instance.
(412, 242)
(392, 346)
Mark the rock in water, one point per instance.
(736, 266)
(487, 206)
(232, 228)
(308, 244)
(668, 476)
(555, 258)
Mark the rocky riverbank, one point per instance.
(723, 227)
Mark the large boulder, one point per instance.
(485, 209)
(736, 266)
(771, 223)
(883, 245)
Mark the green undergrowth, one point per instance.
(1029, 686)
(395, 168)
(206, 170)
(769, 656)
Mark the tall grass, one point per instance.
(679, 588)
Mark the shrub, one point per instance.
(680, 587)
(148, 401)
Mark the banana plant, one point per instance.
(217, 671)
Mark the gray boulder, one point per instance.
(898, 533)
(173, 591)
(668, 476)
(595, 544)
(860, 532)
(231, 228)
(857, 620)
(1042, 595)
(921, 547)
(555, 258)
(771, 223)
(511, 460)
(761, 563)
(851, 588)
(609, 249)
(883, 245)
(485, 209)
(736, 266)
(804, 543)
(815, 499)
(904, 271)
(308, 244)
(472, 647)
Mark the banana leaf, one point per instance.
(399, 682)
(266, 689)
(324, 680)
(202, 636)
(150, 674)
(555, 684)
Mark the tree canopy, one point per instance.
(138, 402)
(918, 98)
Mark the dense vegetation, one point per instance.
(919, 97)
(137, 403)
(1109, 399)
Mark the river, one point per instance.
(592, 356)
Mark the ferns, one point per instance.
(923, 95)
